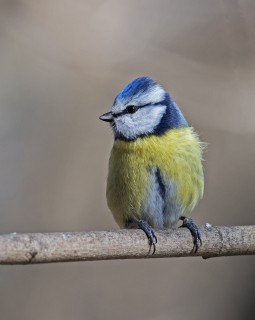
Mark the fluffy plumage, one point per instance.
(155, 178)
(155, 168)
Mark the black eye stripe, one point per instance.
(125, 111)
(129, 110)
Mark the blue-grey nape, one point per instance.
(173, 117)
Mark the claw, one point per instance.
(147, 229)
(195, 232)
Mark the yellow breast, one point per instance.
(177, 154)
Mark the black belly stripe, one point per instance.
(160, 182)
(164, 194)
(162, 188)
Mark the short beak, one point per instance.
(106, 117)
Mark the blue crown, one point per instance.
(136, 87)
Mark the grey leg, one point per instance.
(147, 229)
(193, 228)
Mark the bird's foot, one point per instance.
(147, 229)
(195, 232)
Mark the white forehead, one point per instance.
(153, 95)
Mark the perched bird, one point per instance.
(155, 168)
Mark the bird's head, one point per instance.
(143, 108)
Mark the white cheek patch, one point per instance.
(143, 122)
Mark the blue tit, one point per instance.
(155, 168)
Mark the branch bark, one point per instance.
(34, 248)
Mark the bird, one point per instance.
(155, 173)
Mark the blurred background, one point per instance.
(62, 63)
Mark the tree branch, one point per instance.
(123, 244)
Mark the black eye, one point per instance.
(131, 109)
